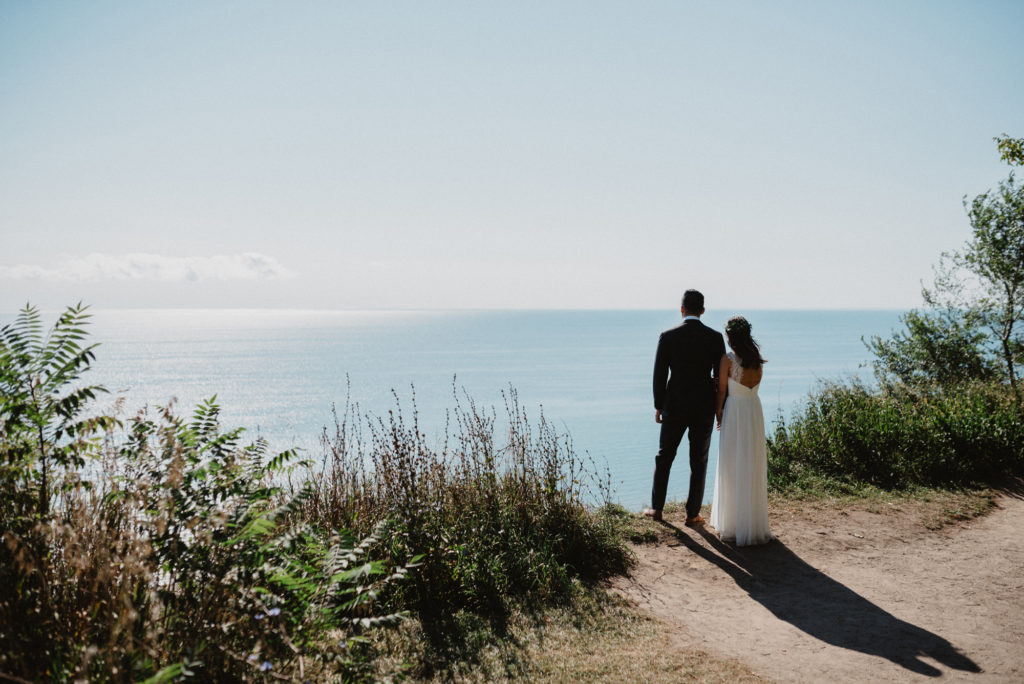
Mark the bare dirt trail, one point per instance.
(847, 595)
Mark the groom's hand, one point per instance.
(657, 416)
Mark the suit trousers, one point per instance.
(672, 430)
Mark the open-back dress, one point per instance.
(739, 511)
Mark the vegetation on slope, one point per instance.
(947, 407)
(163, 549)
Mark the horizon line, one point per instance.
(447, 309)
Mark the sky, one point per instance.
(552, 155)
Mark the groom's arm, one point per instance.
(660, 376)
(722, 371)
(719, 353)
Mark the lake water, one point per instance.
(278, 372)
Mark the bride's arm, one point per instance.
(723, 385)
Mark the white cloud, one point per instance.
(244, 266)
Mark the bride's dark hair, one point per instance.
(737, 329)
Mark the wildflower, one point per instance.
(274, 612)
(266, 666)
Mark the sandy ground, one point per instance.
(847, 594)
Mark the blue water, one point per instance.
(277, 373)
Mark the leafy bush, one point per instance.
(937, 346)
(949, 410)
(44, 440)
(162, 549)
(500, 522)
(900, 436)
(167, 553)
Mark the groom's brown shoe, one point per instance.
(653, 513)
(694, 521)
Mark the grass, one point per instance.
(496, 512)
(957, 506)
(597, 637)
(934, 507)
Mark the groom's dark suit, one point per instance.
(685, 382)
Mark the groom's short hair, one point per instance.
(693, 301)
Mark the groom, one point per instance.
(685, 382)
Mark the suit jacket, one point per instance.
(686, 370)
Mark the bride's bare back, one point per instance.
(748, 377)
(730, 368)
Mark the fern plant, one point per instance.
(181, 555)
(334, 588)
(246, 584)
(46, 435)
(41, 401)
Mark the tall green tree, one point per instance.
(937, 345)
(1011, 150)
(994, 257)
(973, 322)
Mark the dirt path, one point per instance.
(847, 595)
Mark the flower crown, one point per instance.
(738, 324)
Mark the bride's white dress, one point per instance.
(739, 511)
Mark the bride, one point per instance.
(739, 511)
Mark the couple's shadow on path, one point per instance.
(813, 602)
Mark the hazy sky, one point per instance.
(478, 154)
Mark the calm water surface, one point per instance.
(279, 372)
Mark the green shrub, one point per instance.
(165, 552)
(900, 436)
(161, 549)
(497, 511)
(936, 346)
